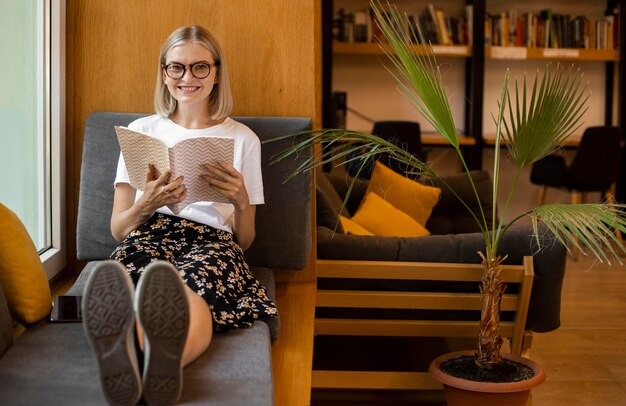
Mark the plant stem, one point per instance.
(499, 233)
(491, 250)
(492, 289)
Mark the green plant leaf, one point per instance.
(590, 226)
(555, 111)
(418, 74)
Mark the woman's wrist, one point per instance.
(242, 207)
(141, 212)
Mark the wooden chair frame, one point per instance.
(514, 330)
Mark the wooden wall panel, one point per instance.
(272, 48)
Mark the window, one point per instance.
(32, 113)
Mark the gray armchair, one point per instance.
(52, 364)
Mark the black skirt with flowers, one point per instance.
(209, 261)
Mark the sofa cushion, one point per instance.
(283, 223)
(235, 370)
(322, 181)
(22, 276)
(352, 227)
(450, 216)
(6, 324)
(413, 198)
(342, 182)
(332, 245)
(382, 218)
(326, 214)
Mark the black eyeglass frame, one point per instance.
(211, 65)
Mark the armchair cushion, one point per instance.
(326, 212)
(450, 216)
(382, 218)
(22, 276)
(413, 198)
(341, 181)
(323, 182)
(352, 227)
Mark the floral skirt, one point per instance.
(209, 261)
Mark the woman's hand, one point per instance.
(159, 192)
(229, 183)
(128, 215)
(224, 178)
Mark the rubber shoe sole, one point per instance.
(163, 313)
(109, 324)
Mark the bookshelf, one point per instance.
(482, 65)
(363, 48)
(562, 54)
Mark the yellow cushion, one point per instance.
(352, 227)
(411, 197)
(382, 218)
(22, 276)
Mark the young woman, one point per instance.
(205, 284)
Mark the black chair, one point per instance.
(595, 167)
(406, 134)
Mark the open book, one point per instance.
(185, 158)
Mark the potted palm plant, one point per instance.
(530, 125)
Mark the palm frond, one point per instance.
(553, 114)
(344, 146)
(590, 226)
(418, 75)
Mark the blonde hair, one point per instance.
(220, 99)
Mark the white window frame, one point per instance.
(54, 259)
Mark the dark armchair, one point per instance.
(595, 167)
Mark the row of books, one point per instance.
(434, 25)
(548, 30)
(533, 30)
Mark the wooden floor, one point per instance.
(585, 359)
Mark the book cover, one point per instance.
(185, 159)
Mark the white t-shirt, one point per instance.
(247, 160)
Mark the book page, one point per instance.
(139, 150)
(187, 158)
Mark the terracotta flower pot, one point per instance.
(462, 392)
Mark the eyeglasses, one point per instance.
(199, 70)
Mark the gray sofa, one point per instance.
(52, 364)
(454, 238)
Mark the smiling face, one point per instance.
(190, 91)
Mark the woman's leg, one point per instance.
(200, 328)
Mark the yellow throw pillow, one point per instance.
(411, 197)
(22, 276)
(382, 218)
(352, 227)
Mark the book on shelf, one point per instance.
(185, 158)
(431, 26)
(548, 29)
(545, 19)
